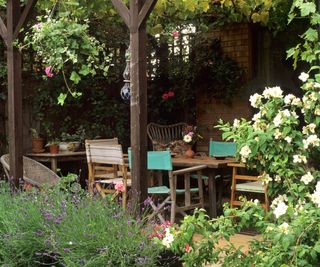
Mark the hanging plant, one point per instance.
(65, 47)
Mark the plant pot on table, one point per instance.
(54, 148)
(38, 145)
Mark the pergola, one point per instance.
(135, 18)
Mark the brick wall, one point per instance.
(236, 42)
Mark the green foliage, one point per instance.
(64, 46)
(308, 50)
(65, 227)
(270, 13)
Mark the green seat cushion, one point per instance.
(158, 190)
(254, 187)
(192, 190)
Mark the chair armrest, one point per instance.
(190, 169)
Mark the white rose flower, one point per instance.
(307, 178)
(286, 113)
(255, 100)
(316, 85)
(256, 117)
(315, 197)
(296, 102)
(288, 98)
(299, 159)
(317, 112)
(277, 120)
(277, 134)
(312, 127)
(284, 228)
(187, 138)
(168, 238)
(288, 139)
(277, 179)
(314, 96)
(280, 210)
(274, 92)
(236, 123)
(304, 76)
(245, 151)
(265, 178)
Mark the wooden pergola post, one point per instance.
(135, 19)
(15, 21)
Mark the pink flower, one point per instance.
(119, 187)
(170, 93)
(48, 71)
(37, 26)
(175, 34)
(191, 133)
(165, 96)
(187, 248)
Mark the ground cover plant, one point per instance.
(66, 227)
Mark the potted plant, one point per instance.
(37, 141)
(72, 142)
(53, 146)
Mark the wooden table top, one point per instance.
(211, 162)
(60, 154)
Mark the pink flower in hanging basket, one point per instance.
(175, 34)
(48, 71)
(119, 187)
(165, 96)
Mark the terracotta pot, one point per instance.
(189, 152)
(37, 145)
(54, 149)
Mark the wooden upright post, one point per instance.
(135, 19)
(14, 94)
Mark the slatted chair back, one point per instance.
(34, 172)
(107, 157)
(246, 184)
(164, 134)
(222, 149)
(157, 160)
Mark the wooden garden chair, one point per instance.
(34, 173)
(102, 155)
(193, 196)
(162, 135)
(248, 184)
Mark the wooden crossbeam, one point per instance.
(122, 10)
(24, 17)
(146, 10)
(3, 31)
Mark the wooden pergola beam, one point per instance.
(24, 17)
(9, 33)
(135, 19)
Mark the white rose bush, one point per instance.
(282, 141)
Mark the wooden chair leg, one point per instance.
(173, 186)
(200, 186)
(233, 186)
(266, 199)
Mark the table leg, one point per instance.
(54, 164)
(212, 195)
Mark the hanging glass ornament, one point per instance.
(125, 91)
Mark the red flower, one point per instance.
(165, 96)
(171, 94)
(187, 248)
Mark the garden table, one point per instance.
(61, 156)
(213, 164)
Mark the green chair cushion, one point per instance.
(182, 191)
(158, 190)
